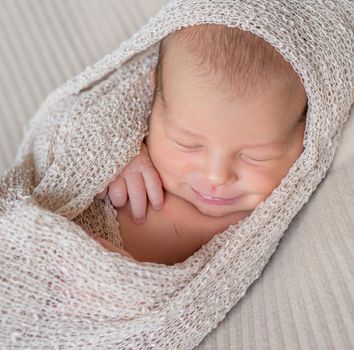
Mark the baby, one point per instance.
(227, 123)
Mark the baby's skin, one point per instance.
(168, 234)
(171, 234)
(213, 157)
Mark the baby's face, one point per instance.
(222, 155)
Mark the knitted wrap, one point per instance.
(59, 288)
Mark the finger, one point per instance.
(153, 187)
(138, 162)
(137, 196)
(118, 192)
(103, 194)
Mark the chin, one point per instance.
(215, 212)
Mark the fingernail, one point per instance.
(158, 207)
(139, 221)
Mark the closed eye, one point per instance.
(241, 154)
(187, 146)
(253, 159)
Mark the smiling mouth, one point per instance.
(214, 200)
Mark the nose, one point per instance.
(220, 171)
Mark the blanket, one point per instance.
(61, 289)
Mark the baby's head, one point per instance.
(227, 120)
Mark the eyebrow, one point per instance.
(188, 131)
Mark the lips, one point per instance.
(214, 200)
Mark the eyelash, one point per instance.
(248, 158)
(185, 146)
(255, 160)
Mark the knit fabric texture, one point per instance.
(59, 288)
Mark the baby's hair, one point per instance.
(241, 60)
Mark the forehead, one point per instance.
(238, 124)
(191, 94)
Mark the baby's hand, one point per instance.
(137, 178)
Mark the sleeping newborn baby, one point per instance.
(227, 123)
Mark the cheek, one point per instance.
(258, 180)
(169, 163)
(272, 178)
(175, 163)
(265, 179)
(268, 178)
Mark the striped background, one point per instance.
(305, 296)
(43, 43)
